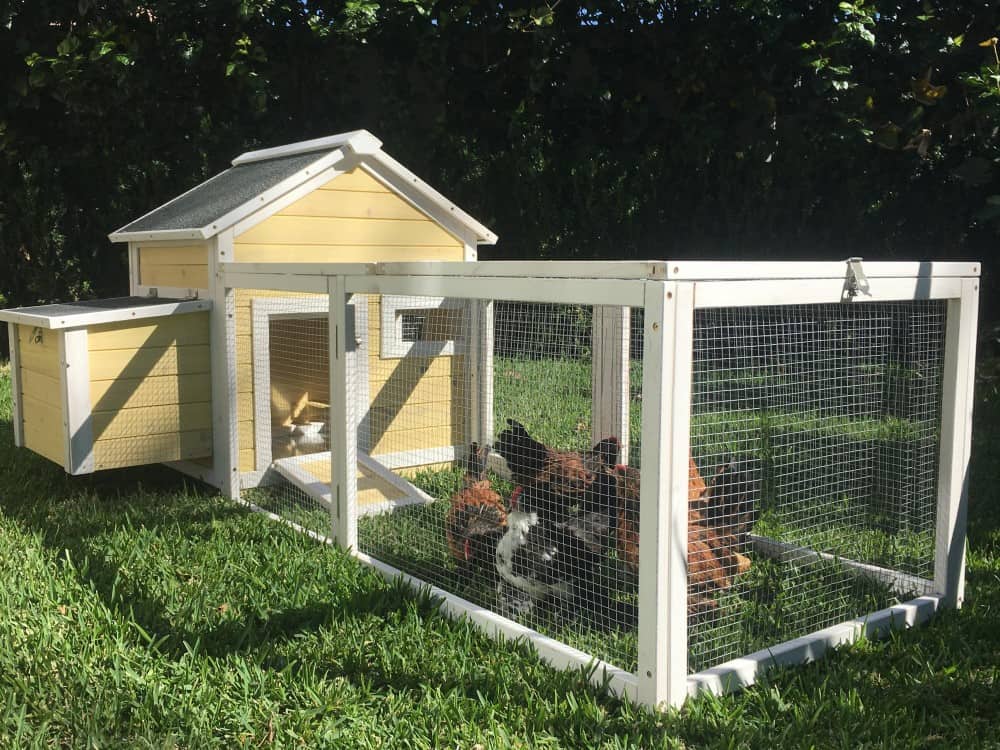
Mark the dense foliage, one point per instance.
(601, 128)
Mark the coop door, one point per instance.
(292, 374)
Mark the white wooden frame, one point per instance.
(15, 383)
(669, 302)
(391, 344)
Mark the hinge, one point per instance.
(856, 282)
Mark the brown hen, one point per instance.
(477, 517)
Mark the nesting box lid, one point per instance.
(95, 312)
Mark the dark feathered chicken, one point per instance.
(477, 518)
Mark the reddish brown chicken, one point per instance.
(718, 519)
(477, 517)
(628, 509)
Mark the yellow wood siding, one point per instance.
(417, 403)
(352, 218)
(41, 393)
(150, 390)
(175, 446)
(184, 266)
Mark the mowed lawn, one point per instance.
(140, 610)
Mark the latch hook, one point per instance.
(857, 282)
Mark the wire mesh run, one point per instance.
(815, 429)
(487, 409)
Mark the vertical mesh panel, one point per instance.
(816, 431)
(283, 404)
(528, 525)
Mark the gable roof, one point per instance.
(257, 178)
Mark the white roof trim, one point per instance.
(358, 141)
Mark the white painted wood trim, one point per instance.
(543, 269)
(693, 270)
(75, 381)
(747, 670)
(160, 234)
(383, 472)
(391, 344)
(487, 427)
(899, 581)
(15, 384)
(610, 375)
(358, 141)
(342, 424)
(676, 508)
(133, 270)
(573, 291)
(956, 438)
(24, 316)
(225, 415)
(599, 673)
(814, 291)
(654, 527)
(249, 269)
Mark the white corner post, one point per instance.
(479, 371)
(610, 375)
(15, 383)
(956, 442)
(342, 425)
(666, 418)
(74, 372)
(222, 336)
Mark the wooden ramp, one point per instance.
(379, 490)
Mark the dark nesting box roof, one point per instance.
(223, 193)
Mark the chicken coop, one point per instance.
(672, 475)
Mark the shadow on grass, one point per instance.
(93, 521)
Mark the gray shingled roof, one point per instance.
(221, 194)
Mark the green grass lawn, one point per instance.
(139, 610)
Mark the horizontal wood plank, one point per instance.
(38, 339)
(180, 276)
(134, 393)
(177, 446)
(315, 230)
(151, 420)
(439, 390)
(173, 255)
(353, 205)
(108, 364)
(355, 180)
(409, 440)
(190, 329)
(42, 388)
(333, 251)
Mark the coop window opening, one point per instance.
(849, 418)
(418, 326)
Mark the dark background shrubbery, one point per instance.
(742, 130)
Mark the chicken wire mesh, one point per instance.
(486, 408)
(817, 430)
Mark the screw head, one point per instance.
(656, 326)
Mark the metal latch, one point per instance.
(857, 282)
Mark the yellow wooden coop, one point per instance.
(212, 381)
